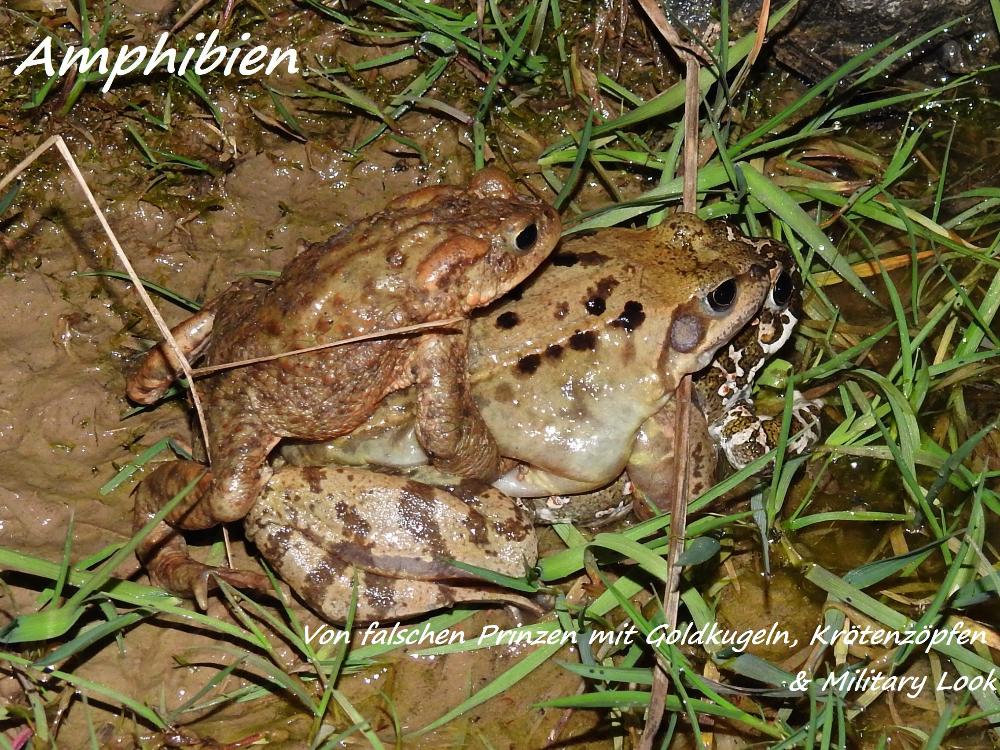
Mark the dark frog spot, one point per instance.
(527, 365)
(591, 259)
(352, 520)
(395, 259)
(562, 310)
(581, 341)
(595, 305)
(631, 317)
(507, 320)
(469, 490)
(587, 259)
(604, 287)
(314, 476)
(553, 351)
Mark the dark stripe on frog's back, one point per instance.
(557, 287)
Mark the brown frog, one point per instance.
(432, 254)
(725, 417)
(574, 373)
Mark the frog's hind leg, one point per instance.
(330, 588)
(327, 531)
(159, 367)
(163, 551)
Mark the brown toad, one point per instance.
(432, 254)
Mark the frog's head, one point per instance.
(716, 283)
(782, 307)
(731, 376)
(483, 241)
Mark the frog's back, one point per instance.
(576, 289)
(615, 278)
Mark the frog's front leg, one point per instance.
(651, 463)
(322, 528)
(159, 367)
(449, 425)
(223, 494)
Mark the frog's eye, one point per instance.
(781, 292)
(526, 238)
(723, 296)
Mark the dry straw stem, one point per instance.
(191, 13)
(758, 43)
(691, 56)
(682, 395)
(340, 342)
(679, 46)
(189, 372)
(60, 144)
(682, 422)
(868, 268)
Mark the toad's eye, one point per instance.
(723, 296)
(781, 292)
(526, 238)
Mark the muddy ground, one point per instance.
(68, 339)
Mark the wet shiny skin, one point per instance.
(574, 375)
(430, 255)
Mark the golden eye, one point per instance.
(723, 296)
(526, 238)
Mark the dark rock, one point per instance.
(820, 35)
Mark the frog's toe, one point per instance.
(241, 579)
(159, 367)
(191, 579)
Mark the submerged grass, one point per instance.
(922, 268)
